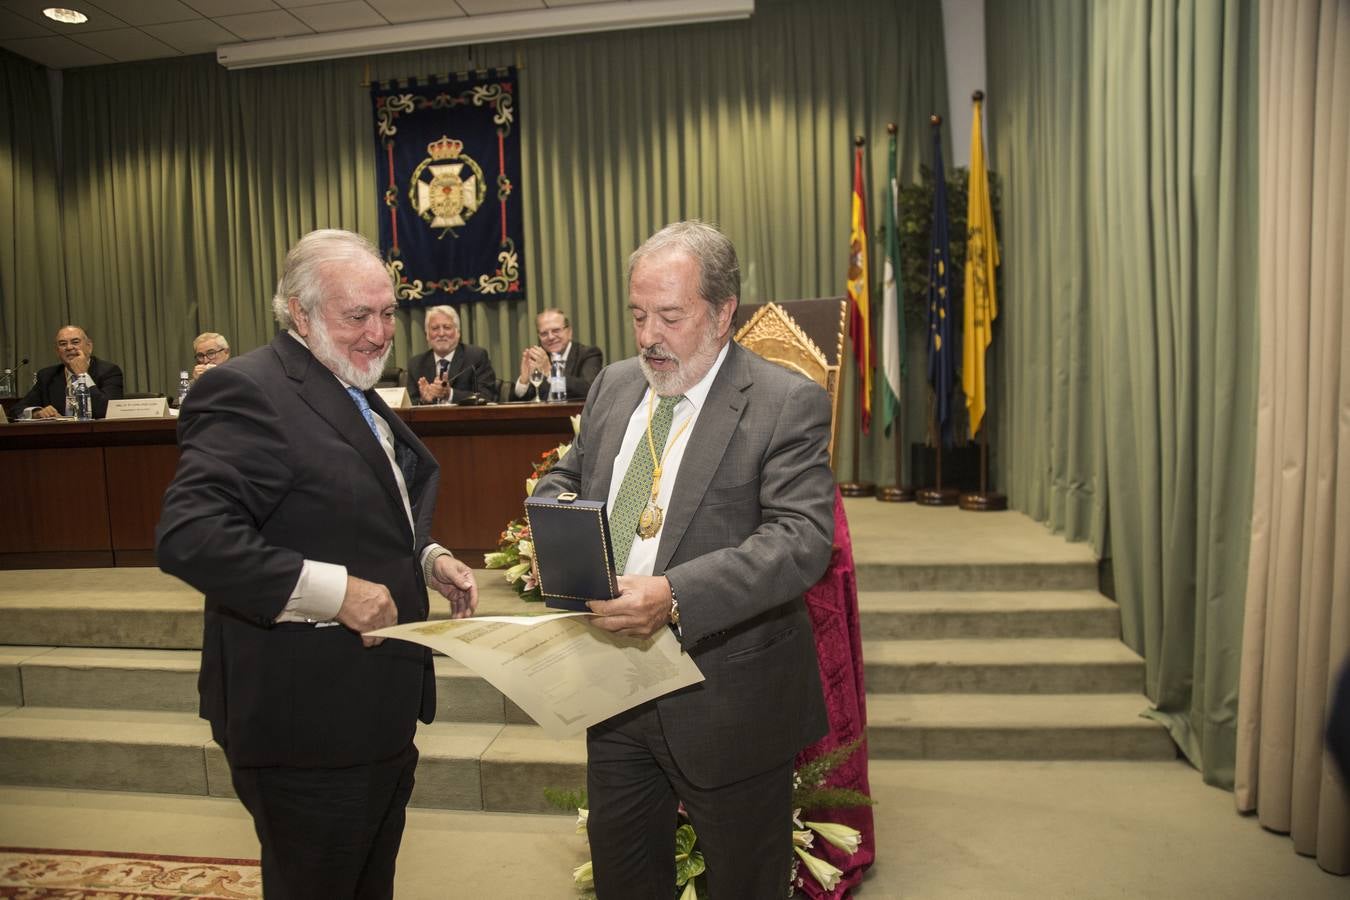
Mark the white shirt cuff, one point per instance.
(318, 593)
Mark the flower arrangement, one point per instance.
(808, 793)
(515, 549)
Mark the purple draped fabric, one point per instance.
(833, 604)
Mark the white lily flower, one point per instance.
(689, 892)
(841, 836)
(584, 875)
(803, 838)
(797, 818)
(825, 874)
(583, 814)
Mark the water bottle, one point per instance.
(82, 410)
(557, 381)
(8, 387)
(183, 384)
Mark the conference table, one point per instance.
(87, 494)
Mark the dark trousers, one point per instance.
(329, 834)
(634, 788)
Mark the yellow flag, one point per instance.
(981, 304)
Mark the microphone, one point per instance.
(474, 398)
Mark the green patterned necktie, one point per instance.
(636, 489)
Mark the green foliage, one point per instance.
(688, 861)
(569, 800)
(915, 227)
(830, 798)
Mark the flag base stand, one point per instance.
(894, 493)
(857, 488)
(983, 501)
(937, 496)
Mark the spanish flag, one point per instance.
(981, 303)
(859, 297)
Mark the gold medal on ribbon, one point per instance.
(649, 524)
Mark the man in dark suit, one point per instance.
(714, 465)
(53, 390)
(301, 508)
(580, 363)
(450, 372)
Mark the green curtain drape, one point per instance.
(1126, 133)
(185, 183)
(32, 281)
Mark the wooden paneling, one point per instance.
(137, 479)
(57, 500)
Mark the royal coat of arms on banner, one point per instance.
(448, 160)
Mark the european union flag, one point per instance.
(941, 362)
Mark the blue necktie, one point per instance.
(366, 412)
(444, 369)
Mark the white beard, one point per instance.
(321, 345)
(688, 372)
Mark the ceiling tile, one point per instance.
(126, 44)
(56, 52)
(145, 12)
(216, 8)
(199, 36)
(262, 25)
(338, 16)
(13, 25)
(489, 7)
(416, 10)
(99, 19)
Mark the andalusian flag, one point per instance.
(941, 354)
(892, 311)
(860, 298)
(981, 304)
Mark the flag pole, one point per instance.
(980, 307)
(857, 487)
(937, 495)
(898, 492)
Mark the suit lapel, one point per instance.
(703, 452)
(324, 394)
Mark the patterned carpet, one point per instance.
(26, 872)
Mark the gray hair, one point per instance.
(448, 311)
(719, 272)
(211, 336)
(302, 273)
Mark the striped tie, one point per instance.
(366, 412)
(636, 488)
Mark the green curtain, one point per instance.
(186, 183)
(32, 282)
(1126, 133)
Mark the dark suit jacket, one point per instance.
(749, 529)
(470, 372)
(583, 363)
(50, 387)
(276, 466)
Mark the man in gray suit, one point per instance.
(715, 468)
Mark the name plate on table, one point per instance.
(395, 397)
(572, 551)
(140, 408)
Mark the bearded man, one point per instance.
(301, 509)
(714, 464)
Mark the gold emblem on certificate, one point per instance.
(650, 521)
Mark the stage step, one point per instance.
(935, 615)
(1013, 666)
(1003, 726)
(959, 576)
(501, 768)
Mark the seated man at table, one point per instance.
(210, 350)
(580, 363)
(53, 393)
(450, 371)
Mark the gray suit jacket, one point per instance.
(749, 529)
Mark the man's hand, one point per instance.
(200, 369)
(46, 412)
(641, 609)
(533, 359)
(78, 363)
(432, 391)
(454, 581)
(367, 606)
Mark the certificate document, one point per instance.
(565, 674)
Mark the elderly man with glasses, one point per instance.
(210, 350)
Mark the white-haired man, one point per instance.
(715, 467)
(450, 372)
(301, 509)
(209, 349)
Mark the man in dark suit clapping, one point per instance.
(581, 363)
(301, 509)
(450, 372)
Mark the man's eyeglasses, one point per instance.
(208, 355)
